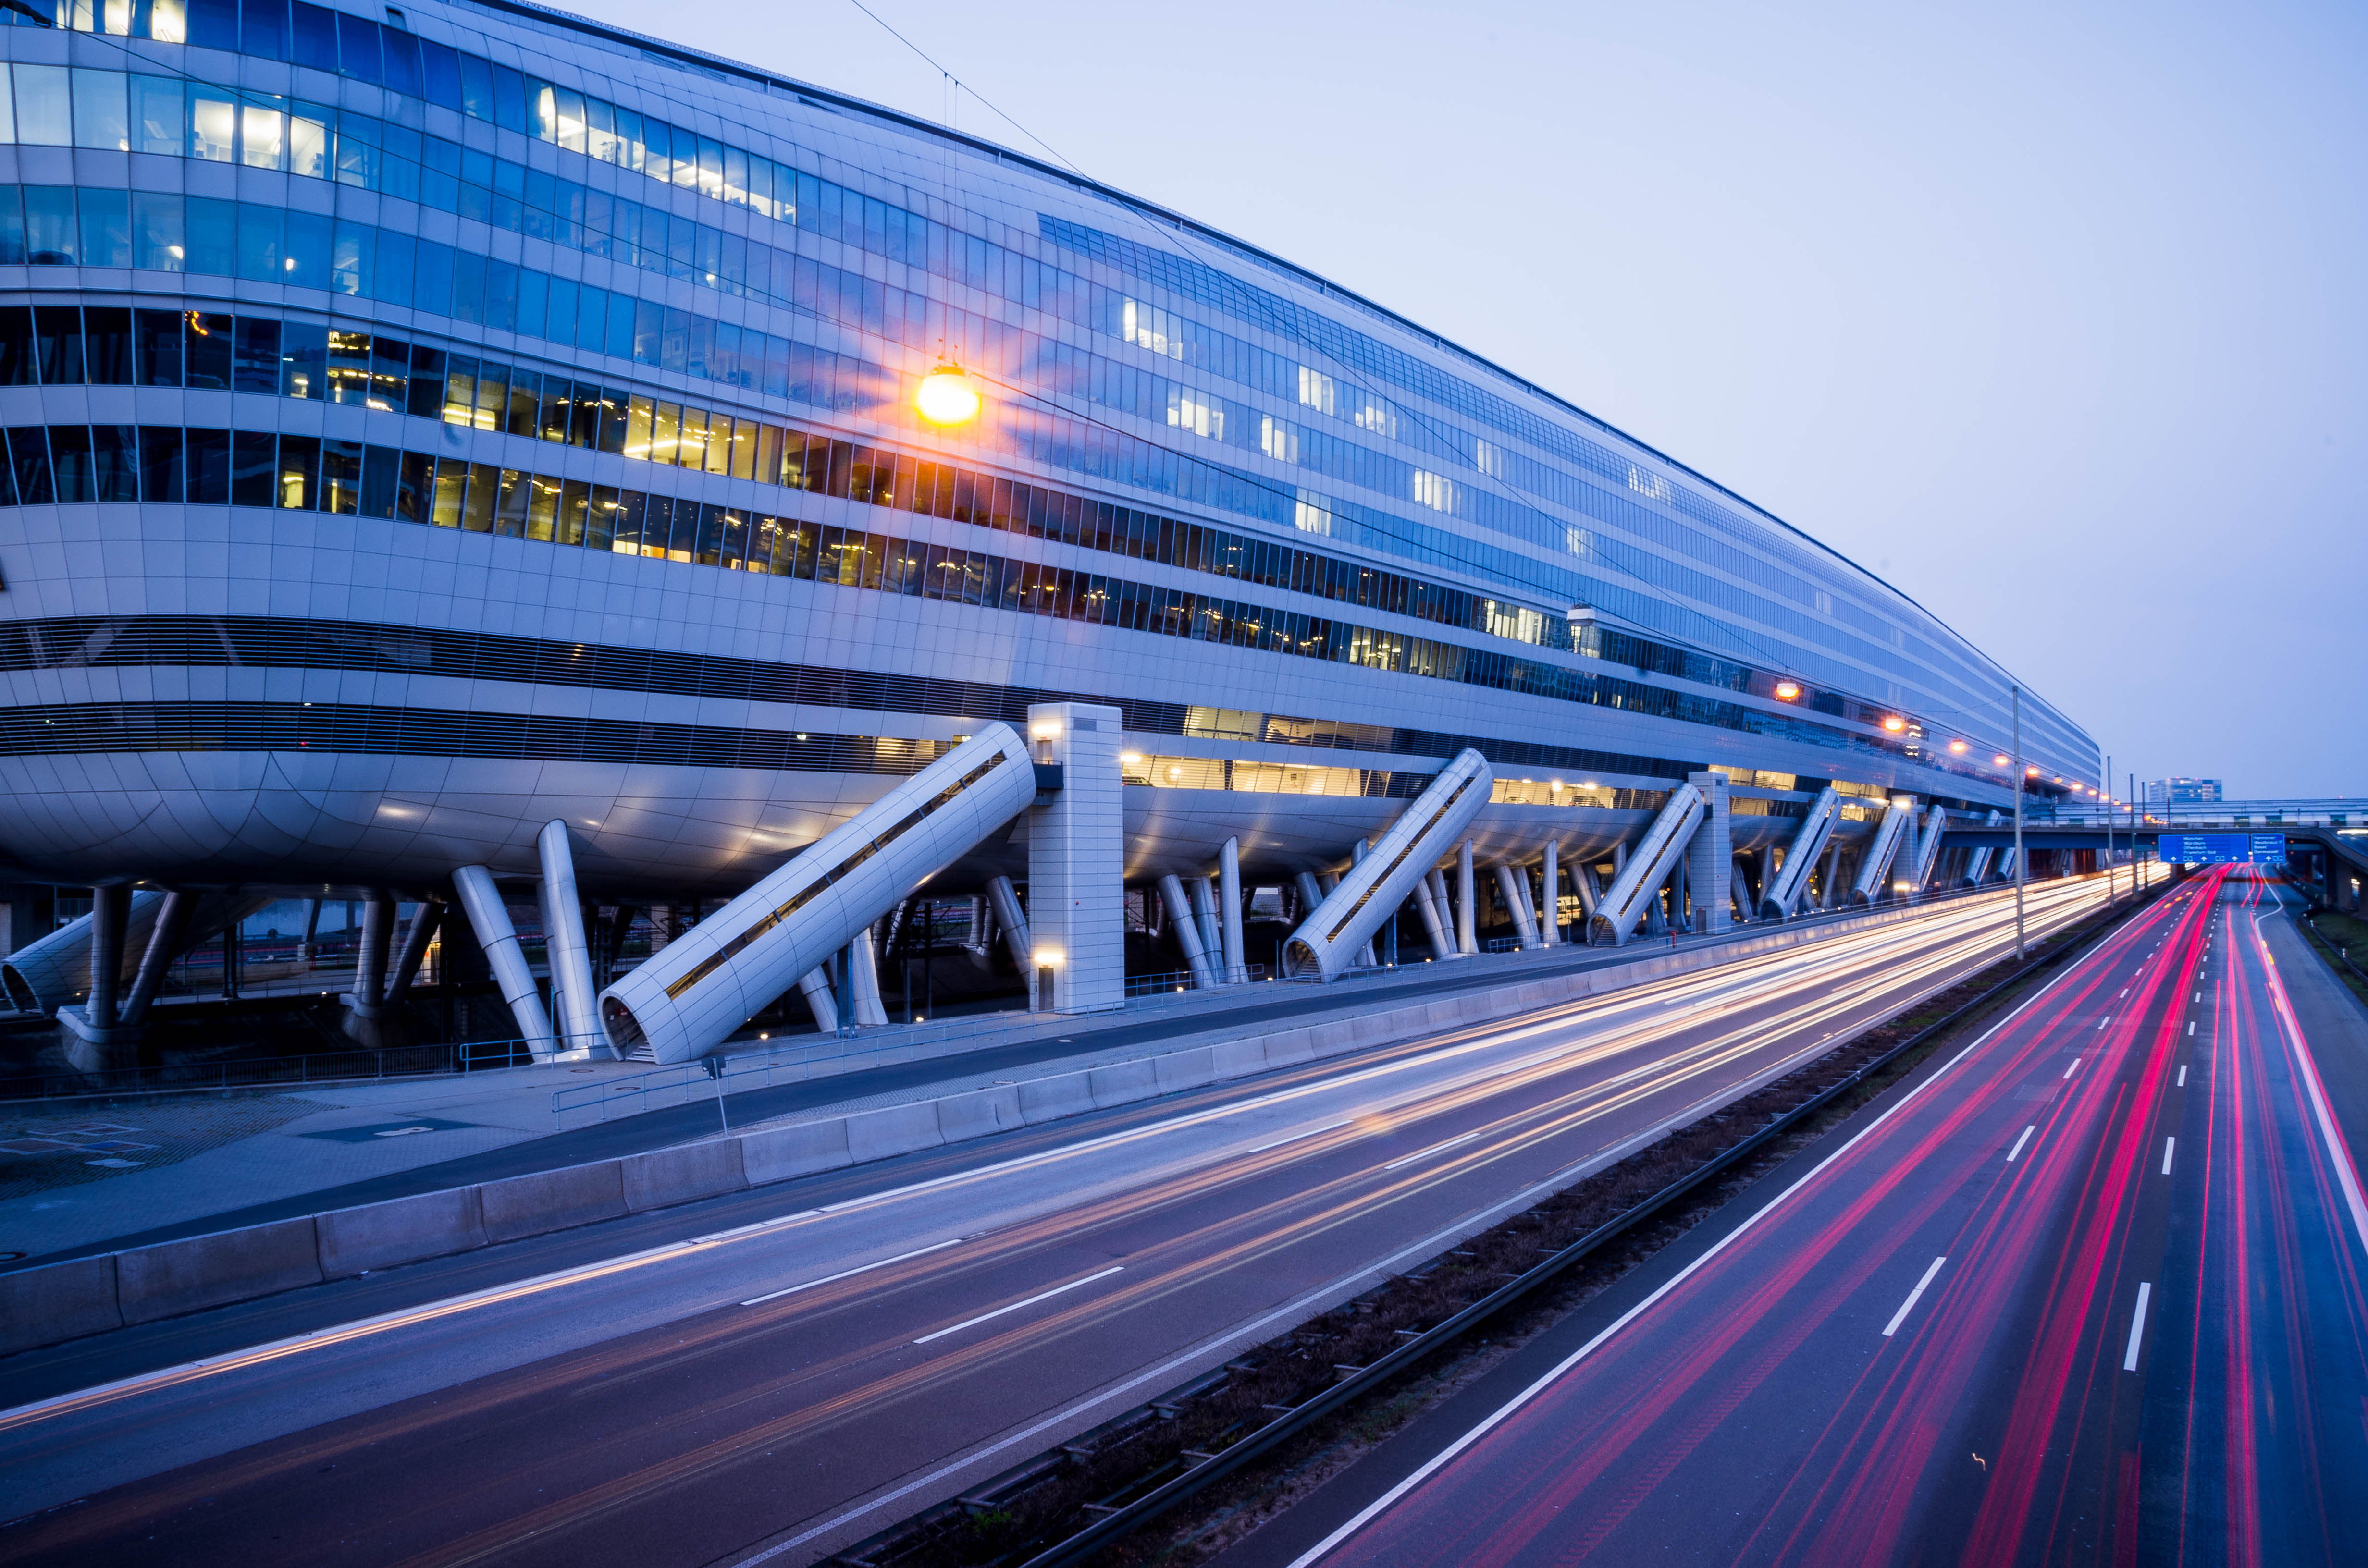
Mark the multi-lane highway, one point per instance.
(788, 1369)
(2089, 1292)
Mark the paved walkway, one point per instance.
(125, 1173)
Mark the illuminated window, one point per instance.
(1579, 542)
(1189, 409)
(1488, 458)
(1147, 326)
(1379, 417)
(1314, 515)
(1435, 491)
(1316, 392)
(1278, 439)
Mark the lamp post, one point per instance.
(2108, 815)
(2018, 822)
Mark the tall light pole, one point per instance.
(2108, 815)
(2137, 867)
(2018, 822)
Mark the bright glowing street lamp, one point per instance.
(946, 396)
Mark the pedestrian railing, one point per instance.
(266, 1072)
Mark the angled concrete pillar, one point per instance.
(1003, 899)
(1710, 858)
(1467, 939)
(1524, 928)
(424, 923)
(1077, 844)
(165, 940)
(565, 950)
(1549, 923)
(1204, 915)
(1229, 909)
(481, 901)
(1188, 932)
(1426, 904)
(814, 986)
(864, 969)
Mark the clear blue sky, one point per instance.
(2056, 317)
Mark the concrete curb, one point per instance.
(54, 1302)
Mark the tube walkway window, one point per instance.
(688, 1000)
(1638, 886)
(1325, 942)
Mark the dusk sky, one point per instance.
(2054, 317)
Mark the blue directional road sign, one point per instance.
(2222, 848)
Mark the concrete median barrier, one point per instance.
(552, 1200)
(402, 1230)
(781, 1152)
(979, 1113)
(893, 1130)
(173, 1277)
(664, 1177)
(57, 1300)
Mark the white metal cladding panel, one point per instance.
(709, 1008)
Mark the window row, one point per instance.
(72, 464)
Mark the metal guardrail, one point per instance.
(263, 1071)
(1174, 980)
(2338, 812)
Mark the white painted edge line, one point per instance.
(2169, 1147)
(851, 1273)
(2137, 1328)
(2339, 1154)
(1434, 1149)
(1040, 1296)
(2019, 1143)
(1552, 1374)
(2069, 1071)
(1913, 1297)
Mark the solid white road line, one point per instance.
(1046, 1296)
(2169, 1145)
(851, 1273)
(1435, 1148)
(2019, 1143)
(2069, 1071)
(2137, 1328)
(1913, 1295)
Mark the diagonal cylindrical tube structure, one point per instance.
(1326, 941)
(686, 1000)
(1636, 892)
(1782, 892)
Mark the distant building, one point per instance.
(2182, 792)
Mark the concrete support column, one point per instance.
(1833, 875)
(863, 968)
(1003, 899)
(1229, 911)
(1426, 902)
(565, 950)
(1077, 852)
(1591, 894)
(1549, 925)
(1365, 955)
(1310, 894)
(311, 930)
(1467, 938)
(1204, 915)
(370, 964)
(1188, 932)
(481, 901)
(814, 986)
(424, 925)
(1710, 858)
(111, 911)
(1517, 906)
(165, 940)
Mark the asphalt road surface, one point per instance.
(780, 1373)
(2089, 1292)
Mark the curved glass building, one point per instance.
(424, 423)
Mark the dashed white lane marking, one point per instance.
(1913, 1295)
(2182, 1074)
(1039, 1296)
(2137, 1328)
(2069, 1071)
(2019, 1143)
(1435, 1148)
(851, 1273)
(2169, 1145)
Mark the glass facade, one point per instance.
(281, 257)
